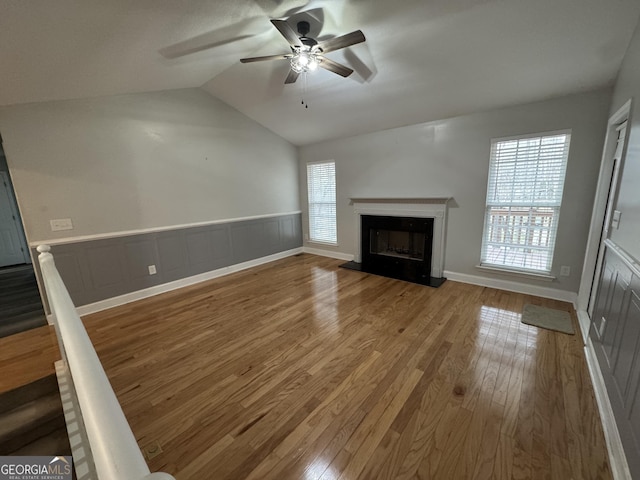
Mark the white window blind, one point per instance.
(321, 185)
(524, 193)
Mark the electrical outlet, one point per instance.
(152, 270)
(61, 224)
(565, 271)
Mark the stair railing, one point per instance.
(114, 448)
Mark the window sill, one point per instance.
(518, 273)
(324, 244)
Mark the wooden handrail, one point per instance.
(115, 451)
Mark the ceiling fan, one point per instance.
(308, 54)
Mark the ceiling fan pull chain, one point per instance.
(304, 89)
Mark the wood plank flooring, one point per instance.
(28, 356)
(302, 370)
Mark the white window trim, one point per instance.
(319, 242)
(523, 272)
(310, 240)
(566, 131)
(517, 272)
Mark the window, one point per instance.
(524, 192)
(321, 185)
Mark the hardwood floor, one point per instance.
(27, 357)
(302, 370)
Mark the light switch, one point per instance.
(61, 224)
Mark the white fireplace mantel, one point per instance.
(423, 207)
(401, 200)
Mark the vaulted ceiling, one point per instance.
(423, 59)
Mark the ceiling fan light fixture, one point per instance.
(303, 62)
(303, 59)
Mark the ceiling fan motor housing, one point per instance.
(303, 29)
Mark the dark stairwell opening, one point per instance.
(20, 302)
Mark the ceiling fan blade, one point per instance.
(287, 32)
(182, 49)
(342, 41)
(335, 67)
(284, 56)
(236, 32)
(292, 77)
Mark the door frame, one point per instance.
(606, 182)
(16, 207)
(5, 178)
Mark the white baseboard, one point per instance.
(328, 253)
(511, 286)
(184, 282)
(585, 323)
(617, 458)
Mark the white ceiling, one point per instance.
(423, 60)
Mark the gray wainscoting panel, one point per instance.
(199, 250)
(69, 267)
(221, 243)
(96, 270)
(172, 253)
(106, 264)
(289, 230)
(615, 333)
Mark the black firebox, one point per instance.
(398, 247)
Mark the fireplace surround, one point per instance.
(412, 248)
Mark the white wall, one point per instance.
(146, 160)
(451, 158)
(628, 202)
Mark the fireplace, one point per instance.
(398, 247)
(401, 238)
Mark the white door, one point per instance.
(13, 248)
(610, 217)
